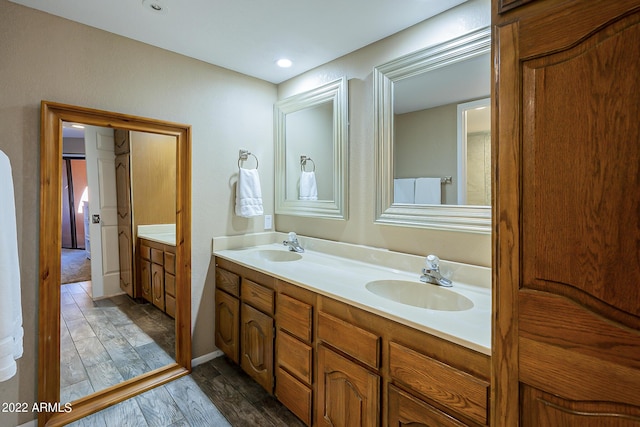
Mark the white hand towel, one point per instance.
(404, 190)
(428, 191)
(11, 332)
(308, 186)
(248, 193)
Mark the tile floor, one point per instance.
(109, 340)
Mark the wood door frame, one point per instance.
(52, 116)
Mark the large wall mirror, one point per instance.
(311, 133)
(432, 158)
(121, 179)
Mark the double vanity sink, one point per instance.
(382, 282)
(411, 293)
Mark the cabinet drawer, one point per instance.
(257, 296)
(352, 340)
(295, 356)
(404, 409)
(170, 262)
(444, 384)
(169, 284)
(294, 395)
(157, 256)
(295, 317)
(228, 281)
(145, 252)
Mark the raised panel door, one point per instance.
(227, 328)
(348, 394)
(157, 285)
(257, 333)
(567, 331)
(145, 280)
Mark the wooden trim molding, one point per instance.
(52, 116)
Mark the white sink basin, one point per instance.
(419, 294)
(275, 255)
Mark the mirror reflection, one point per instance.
(311, 152)
(474, 152)
(118, 257)
(432, 161)
(426, 133)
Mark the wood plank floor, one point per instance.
(117, 338)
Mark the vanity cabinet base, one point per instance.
(333, 364)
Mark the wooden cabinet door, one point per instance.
(157, 285)
(227, 328)
(257, 346)
(125, 247)
(567, 314)
(348, 394)
(145, 280)
(125, 237)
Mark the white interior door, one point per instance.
(103, 217)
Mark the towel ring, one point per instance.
(244, 155)
(303, 163)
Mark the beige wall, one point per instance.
(425, 145)
(358, 67)
(49, 58)
(43, 57)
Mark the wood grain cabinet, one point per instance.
(294, 350)
(144, 261)
(566, 100)
(157, 274)
(257, 332)
(227, 328)
(244, 330)
(338, 365)
(459, 393)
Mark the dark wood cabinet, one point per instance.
(567, 313)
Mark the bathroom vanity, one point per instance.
(308, 330)
(156, 261)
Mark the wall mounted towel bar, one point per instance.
(303, 163)
(244, 155)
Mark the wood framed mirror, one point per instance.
(52, 117)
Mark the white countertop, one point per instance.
(161, 233)
(344, 279)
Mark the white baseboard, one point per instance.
(205, 358)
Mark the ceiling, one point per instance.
(248, 36)
(462, 81)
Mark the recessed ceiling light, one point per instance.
(155, 6)
(284, 63)
(77, 126)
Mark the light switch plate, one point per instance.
(268, 222)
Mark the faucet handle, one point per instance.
(293, 236)
(433, 262)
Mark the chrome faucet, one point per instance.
(293, 244)
(431, 274)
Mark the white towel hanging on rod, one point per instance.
(11, 332)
